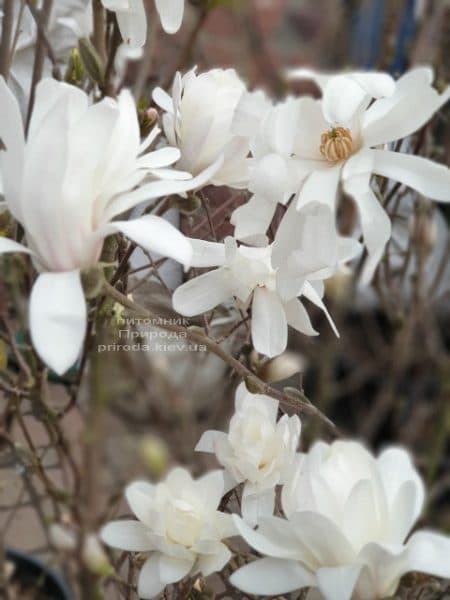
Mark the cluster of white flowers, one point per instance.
(80, 164)
(346, 514)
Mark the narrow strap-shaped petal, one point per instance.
(155, 234)
(171, 14)
(133, 24)
(269, 324)
(427, 177)
(202, 293)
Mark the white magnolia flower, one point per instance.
(340, 138)
(348, 515)
(198, 119)
(69, 20)
(75, 172)
(270, 278)
(132, 18)
(256, 451)
(178, 522)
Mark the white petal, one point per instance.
(255, 506)
(126, 535)
(157, 189)
(202, 293)
(58, 318)
(173, 569)
(253, 218)
(207, 441)
(149, 582)
(425, 176)
(429, 552)
(163, 99)
(269, 324)
(155, 234)
(133, 24)
(376, 227)
(337, 583)
(321, 186)
(298, 318)
(271, 577)
(212, 563)
(171, 14)
(413, 104)
(345, 95)
(7, 246)
(159, 158)
(275, 537)
(207, 254)
(322, 537)
(11, 158)
(211, 487)
(139, 495)
(310, 292)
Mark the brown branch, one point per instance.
(5, 44)
(298, 402)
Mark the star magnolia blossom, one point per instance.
(270, 277)
(256, 451)
(64, 185)
(197, 120)
(132, 18)
(178, 522)
(347, 517)
(340, 138)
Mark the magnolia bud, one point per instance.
(155, 455)
(282, 367)
(94, 556)
(339, 286)
(75, 70)
(187, 205)
(91, 61)
(62, 537)
(3, 356)
(93, 280)
(423, 230)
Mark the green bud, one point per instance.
(187, 205)
(93, 280)
(75, 70)
(91, 61)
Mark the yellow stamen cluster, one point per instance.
(336, 144)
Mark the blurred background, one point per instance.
(386, 380)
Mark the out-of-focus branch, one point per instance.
(41, 50)
(99, 18)
(298, 402)
(5, 44)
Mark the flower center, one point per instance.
(336, 144)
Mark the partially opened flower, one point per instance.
(348, 517)
(338, 138)
(76, 171)
(132, 19)
(197, 120)
(178, 522)
(257, 450)
(270, 278)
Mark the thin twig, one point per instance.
(299, 402)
